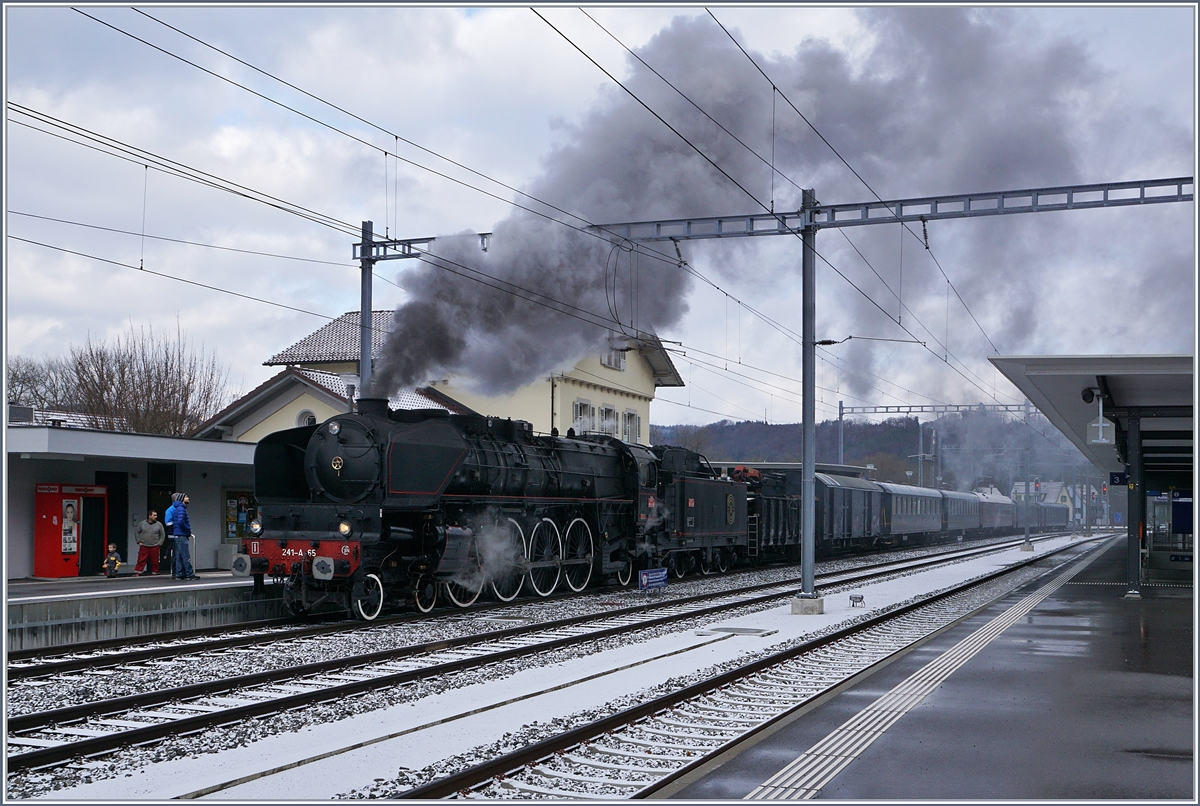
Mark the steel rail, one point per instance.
(481, 774)
(261, 624)
(100, 744)
(71, 664)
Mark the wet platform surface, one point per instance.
(1088, 696)
(130, 584)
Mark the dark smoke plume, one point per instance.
(946, 100)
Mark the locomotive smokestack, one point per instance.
(377, 406)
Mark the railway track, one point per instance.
(644, 749)
(51, 737)
(109, 653)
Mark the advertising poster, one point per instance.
(240, 509)
(70, 526)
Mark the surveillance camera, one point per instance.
(1088, 395)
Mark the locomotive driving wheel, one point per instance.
(545, 557)
(425, 594)
(625, 575)
(578, 554)
(506, 568)
(370, 602)
(464, 588)
(677, 564)
(721, 560)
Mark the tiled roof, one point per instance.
(336, 341)
(328, 380)
(420, 398)
(64, 419)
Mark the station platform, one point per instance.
(1088, 695)
(57, 612)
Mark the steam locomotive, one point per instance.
(409, 505)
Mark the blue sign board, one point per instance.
(652, 578)
(1116, 518)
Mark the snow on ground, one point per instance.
(417, 734)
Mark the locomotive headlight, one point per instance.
(255, 527)
(344, 528)
(334, 427)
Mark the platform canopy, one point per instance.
(1158, 390)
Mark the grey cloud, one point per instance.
(949, 100)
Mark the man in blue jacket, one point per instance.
(182, 530)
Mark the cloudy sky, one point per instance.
(434, 121)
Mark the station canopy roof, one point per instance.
(1159, 389)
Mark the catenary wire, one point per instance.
(351, 228)
(791, 230)
(141, 156)
(856, 173)
(331, 318)
(651, 252)
(173, 277)
(588, 228)
(345, 225)
(186, 243)
(204, 245)
(771, 164)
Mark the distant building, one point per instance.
(296, 397)
(1053, 492)
(606, 393)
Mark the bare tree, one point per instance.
(46, 384)
(148, 383)
(144, 382)
(693, 437)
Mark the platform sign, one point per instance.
(1116, 519)
(1100, 432)
(1116, 479)
(652, 578)
(1181, 512)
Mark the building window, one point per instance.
(583, 417)
(609, 422)
(631, 430)
(614, 359)
(306, 417)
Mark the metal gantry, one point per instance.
(925, 208)
(813, 216)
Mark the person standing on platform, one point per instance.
(150, 536)
(182, 529)
(166, 555)
(112, 562)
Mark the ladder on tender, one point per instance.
(752, 536)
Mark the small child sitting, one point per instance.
(112, 562)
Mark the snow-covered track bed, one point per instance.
(49, 737)
(87, 658)
(641, 749)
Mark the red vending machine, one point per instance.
(70, 533)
